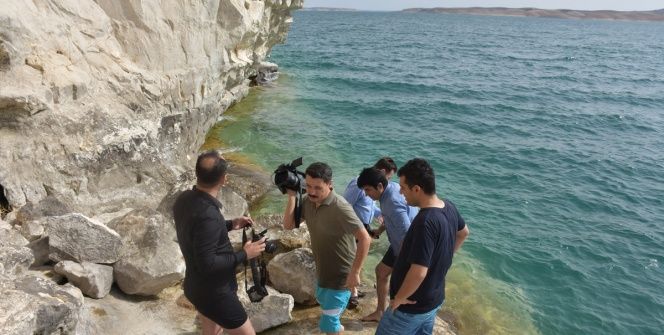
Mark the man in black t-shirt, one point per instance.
(417, 286)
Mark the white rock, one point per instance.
(294, 273)
(94, 280)
(274, 310)
(33, 305)
(76, 237)
(151, 259)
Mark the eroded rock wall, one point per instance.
(104, 104)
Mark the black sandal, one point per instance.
(353, 302)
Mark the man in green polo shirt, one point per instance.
(333, 227)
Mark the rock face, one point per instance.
(121, 93)
(94, 280)
(294, 273)
(76, 237)
(151, 259)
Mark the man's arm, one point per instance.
(363, 243)
(363, 206)
(289, 219)
(461, 237)
(400, 222)
(414, 278)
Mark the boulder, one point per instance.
(78, 238)
(233, 205)
(49, 206)
(94, 280)
(32, 230)
(33, 305)
(274, 310)
(40, 251)
(15, 261)
(294, 273)
(151, 259)
(250, 182)
(10, 237)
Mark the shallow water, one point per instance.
(546, 133)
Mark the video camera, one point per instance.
(287, 177)
(258, 291)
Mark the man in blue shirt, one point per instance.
(417, 286)
(366, 209)
(397, 216)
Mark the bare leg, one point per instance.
(246, 329)
(382, 289)
(209, 327)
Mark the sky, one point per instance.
(546, 4)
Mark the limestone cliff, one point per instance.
(104, 103)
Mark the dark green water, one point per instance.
(548, 135)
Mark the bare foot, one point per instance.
(375, 317)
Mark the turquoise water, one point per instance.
(548, 135)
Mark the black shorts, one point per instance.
(222, 307)
(389, 258)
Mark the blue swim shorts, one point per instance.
(332, 303)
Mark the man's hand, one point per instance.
(242, 222)
(353, 280)
(395, 303)
(253, 249)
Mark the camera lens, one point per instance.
(270, 246)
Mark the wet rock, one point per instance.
(248, 181)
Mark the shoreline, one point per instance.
(475, 302)
(608, 15)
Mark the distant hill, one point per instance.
(653, 15)
(328, 9)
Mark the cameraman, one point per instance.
(333, 227)
(202, 233)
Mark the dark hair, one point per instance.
(371, 176)
(319, 170)
(417, 171)
(208, 173)
(386, 163)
